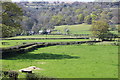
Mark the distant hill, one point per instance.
(107, 0)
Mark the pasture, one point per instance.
(79, 29)
(69, 61)
(9, 43)
(98, 60)
(44, 36)
(75, 29)
(54, 39)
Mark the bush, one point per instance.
(32, 76)
(8, 31)
(10, 75)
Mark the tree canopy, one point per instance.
(11, 19)
(100, 29)
(48, 15)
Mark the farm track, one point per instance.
(12, 51)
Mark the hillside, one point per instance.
(74, 29)
(45, 15)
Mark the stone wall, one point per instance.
(16, 50)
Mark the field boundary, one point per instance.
(15, 50)
(42, 38)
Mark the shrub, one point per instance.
(10, 75)
(32, 76)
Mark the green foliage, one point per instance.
(113, 28)
(11, 14)
(94, 17)
(34, 76)
(104, 16)
(88, 19)
(80, 18)
(57, 19)
(78, 11)
(99, 29)
(8, 31)
(10, 75)
(108, 36)
(11, 17)
(111, 36)
(28, 23)
(68, 20)
(110, 15)
(47, 15)
(118, 28)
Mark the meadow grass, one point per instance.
(78, 29)
(69, 61)
(44, 36)
(10, 43)
(75, 29)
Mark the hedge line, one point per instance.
(13, 51)
(41, 38)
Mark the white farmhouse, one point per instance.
(41, 31)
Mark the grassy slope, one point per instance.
(75, 29)
(87, 61)
(20, 42)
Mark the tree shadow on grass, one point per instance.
(43, 56)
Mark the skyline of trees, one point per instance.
(49, 15)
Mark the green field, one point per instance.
(78, 29)
(75, 29)
(99, 60)
(69, 61)
(44, 36)
(9, 43)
